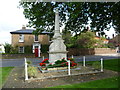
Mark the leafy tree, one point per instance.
(7, 47)
(67, 37)
(104, 15)
(14, 50)
(86, 40)
(73, 15)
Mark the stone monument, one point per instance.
(57, 49)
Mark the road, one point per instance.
(36, 61)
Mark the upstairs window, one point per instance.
(21, 49)
(21, 38)
(36, 37)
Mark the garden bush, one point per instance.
(28, 49)
(96, 65)
(29, 62)
(7, 47)
(44, 48)
(32, 71)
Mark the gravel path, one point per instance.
(16, 79)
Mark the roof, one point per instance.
(27, 31)
(97, 37)
(117, 38)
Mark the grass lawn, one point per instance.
(103, 83)
(111, 64)
(4, 73)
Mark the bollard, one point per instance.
(101, 64)
(84, 61)
(43, 58)
(72, 56)
(26, 73)
(68, 67)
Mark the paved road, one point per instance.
(36, 61)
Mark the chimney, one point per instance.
(113, 35)
(105, 36)
(88, 28)
(23, 27)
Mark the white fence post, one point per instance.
(68, 67)
(84, 61)
(26, 73)
(72, 56)
(43, 58)
(101, 64)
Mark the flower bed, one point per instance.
(62, 64)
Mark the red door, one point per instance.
(36, 52)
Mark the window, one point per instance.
(21, 49)
(36, 47)
(21, 38)
(36, 37)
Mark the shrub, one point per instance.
(14, 50)
(29, 62)
(50, 66)
(28, 49)
(86, 40)
(96, 65)
(32, 71)
(7, 47)
(44, 48)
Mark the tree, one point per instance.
(67, 37)
(86, 40)
(73, 15)
(7, 47)
(104, 15)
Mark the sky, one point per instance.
(12, 18)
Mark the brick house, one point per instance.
(24, 37)
(116, 42)
(105, 41)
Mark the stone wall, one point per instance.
(104, 51)
(82, 51)
(15, 56)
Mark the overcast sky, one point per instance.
(12, 18)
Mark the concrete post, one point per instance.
(101, 64)
(84, 61)
(68, 67)
(72, 56)
(43, 58)
(26, 73)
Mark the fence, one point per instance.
(69, 69)
(26, 72)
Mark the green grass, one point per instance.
(111, 64)
(4, 73)
(103, 83)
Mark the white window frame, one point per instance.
(21, 38)
(21, 50)
(34, 38)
